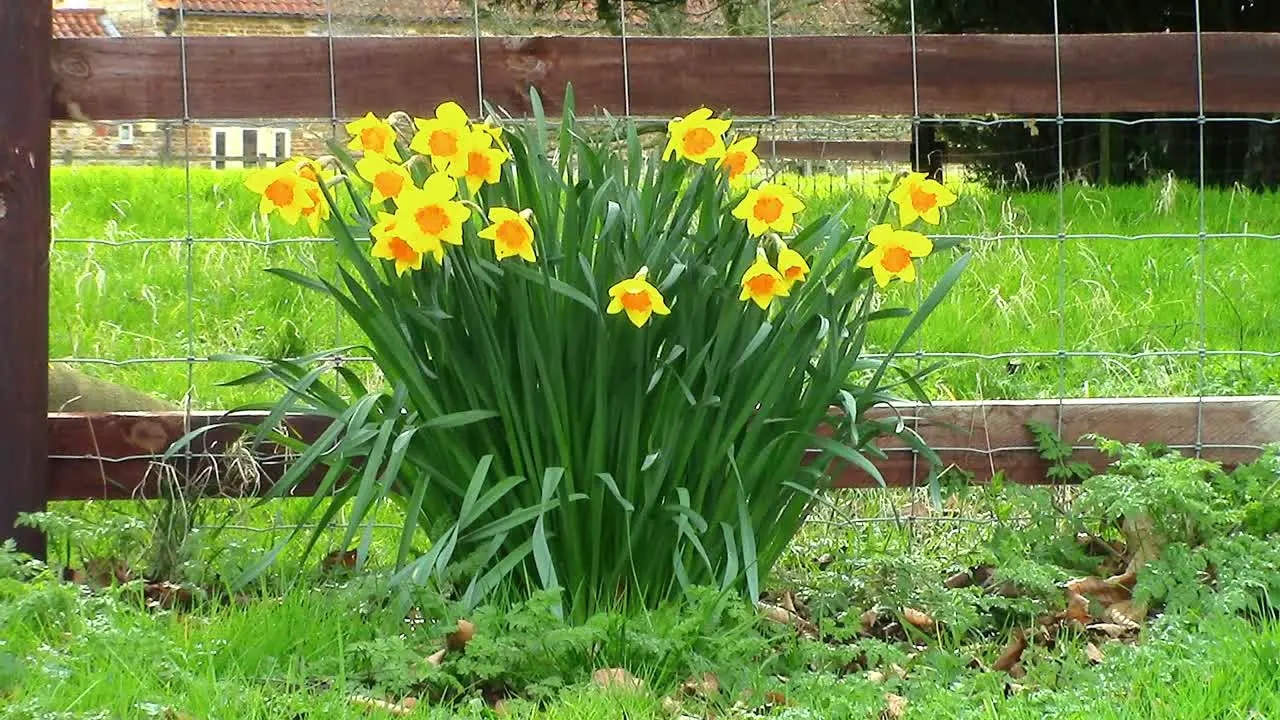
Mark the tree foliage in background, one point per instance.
(1027, 155)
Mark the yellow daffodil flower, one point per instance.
(492, 131)
(283, 190)
(389, 244)
(373, 137)
(319, 211)
(638, 298)
(769, 207)
(697, 137)
(511, 233)
(310, 169)
(917, 196)
(442, 137)
(740, 157)
(479, 162)
(761, 283)
(387, 178)
(430, 215)
(791, 266)
(892, 253)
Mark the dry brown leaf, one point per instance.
(457, 640)
(875, 676)
(895, 707)
(1094, 654)
(409, 702)
(898, 670)
(775, 698)
(615, 678)
(919, 619)
(706, 685)
(1012, 652)
(961, 579)
(786, 617)
(369, 703)
(1126, 614)
(1111, 630)
(868, 619)
(436, 659)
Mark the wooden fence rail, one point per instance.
(288, 77)
(113, 455)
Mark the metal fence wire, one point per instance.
(810, 174)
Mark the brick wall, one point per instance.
(246, 25)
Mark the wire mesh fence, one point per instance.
(1115, 257)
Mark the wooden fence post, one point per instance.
(26, 96)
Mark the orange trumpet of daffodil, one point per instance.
(639, 298)
(373, 136)
(479, 162)
(740, 157)
(697, 137)
(389, 244)
(917, 196)
(769, 207)
(387, 178)
(442, 138)
(429, 215)
(761, 283)
(791, 266)
(893, 252)
(283, 190)
(511, 233)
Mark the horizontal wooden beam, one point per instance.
(112, 456)
(288, 77)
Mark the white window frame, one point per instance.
(233, 145)
(125, 134)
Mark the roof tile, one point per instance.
(81, 23)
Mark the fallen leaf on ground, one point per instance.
(705, 685)
(615, 678)
(1126, 614)
(369, 703)
(345, 559)
(919, 619)
(1094, 654)
(868, 619)
(961, 579)
(895, 706)
(875, 676)
(1111, 630)
(898, 670)
(786, 617)
(436, 659)
(773, 697)
(458, 639)
(1012, 652)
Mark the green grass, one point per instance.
(120, 302)
(65, 654)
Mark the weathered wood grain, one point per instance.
(110, 455)
(288, 77)
(25, 100)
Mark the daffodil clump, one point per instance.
(602, 369)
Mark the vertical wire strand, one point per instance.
(1202, 270)
(773, 85)
(915, 132)
(189, 240)
(1060, 126)
(475, 26)
(626, 61)
(333, 135)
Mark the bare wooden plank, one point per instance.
(242, 77)
(26, 94)
(111, 455)
(983, 438)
